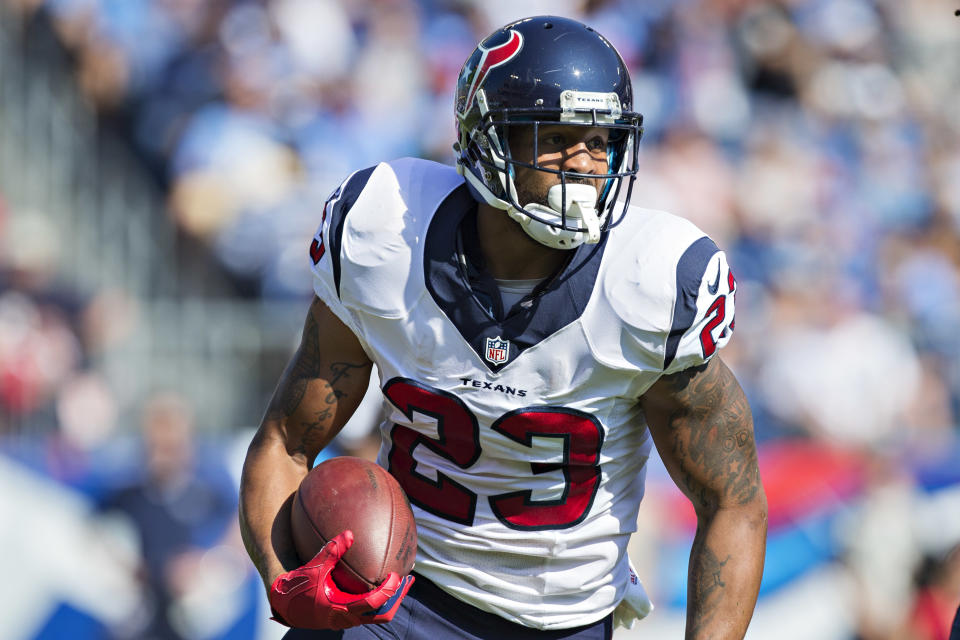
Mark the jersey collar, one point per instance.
(468, 295)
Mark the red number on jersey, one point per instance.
(458, 441)
(706, 335)
(582, 436)
(707, 341)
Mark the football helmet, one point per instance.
(540, 70)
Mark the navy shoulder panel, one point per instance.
(690, 270)
(340, 203)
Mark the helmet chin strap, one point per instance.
(580, 207)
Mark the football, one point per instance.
(353, 493)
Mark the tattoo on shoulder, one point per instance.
(713, 436)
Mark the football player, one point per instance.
(535, 337)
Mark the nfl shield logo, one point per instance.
(497, 350)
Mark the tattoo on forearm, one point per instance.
(257, 555)
(253, 549)
(706, 586)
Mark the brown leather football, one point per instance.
(352, 493)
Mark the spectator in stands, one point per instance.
(177, 507)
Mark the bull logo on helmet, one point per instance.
(493, 57)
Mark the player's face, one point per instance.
(559, 147)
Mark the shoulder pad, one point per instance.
(664, 285)
(372, 228)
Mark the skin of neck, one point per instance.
(510, 253)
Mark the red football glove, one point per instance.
(308, 598)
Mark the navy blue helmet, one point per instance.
(539, 70)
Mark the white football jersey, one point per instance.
(516, 435)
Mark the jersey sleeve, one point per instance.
(325, 248)
(703, 312)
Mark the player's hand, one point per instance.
(308, 598)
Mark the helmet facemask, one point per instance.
(574, 212)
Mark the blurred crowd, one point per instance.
(817, 141)
(53, 337)
(179, 506)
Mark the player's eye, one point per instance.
(597, 143)
(553, 140)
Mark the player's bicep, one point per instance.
(320, 387)
(703, 428)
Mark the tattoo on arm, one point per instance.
(712, 437)
(342, 370)
(704, 429)
(313, 425)
(304, 367)
(320, 386)
(706, 588)
(339, 370)
(309, 390)
(312, 430)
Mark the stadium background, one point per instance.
(162, 166)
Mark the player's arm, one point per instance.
(703, 428)
(319, 390)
